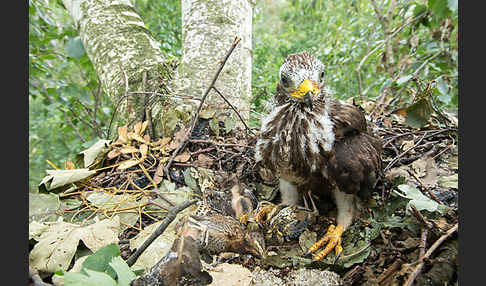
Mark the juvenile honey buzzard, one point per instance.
(316, 143)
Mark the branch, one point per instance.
(34, 275)
(72, 125)
(234, 108)
(171, 215)
(183, 142)
(429, 252)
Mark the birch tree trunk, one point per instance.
(125, 56)
(209, 27)
(132, 68)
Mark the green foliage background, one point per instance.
(66, 104)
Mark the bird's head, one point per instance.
(255, 244)
(301, 78)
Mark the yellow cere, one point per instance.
(305, 87)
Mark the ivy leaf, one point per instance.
(124, 273)
(100, 260)
(92, 278)
(419, 200)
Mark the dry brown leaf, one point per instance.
(182, 157)
(431, 178)
(419, 167)
(143, 151)
(162, 141)
(129, 150)
(179, 135)
(159, 173)
(146, 137)
(68, 165)
(172, 146)
(114, 153)
(122, 134)
(144, 127)
(137, 128)
(137, 137)
(387, 122)
(368, 106)
(400, 111)
(407, 144)
(128, 163)
(204, 160)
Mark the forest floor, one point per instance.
(407, 231)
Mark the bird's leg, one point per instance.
(290, 196)
(314, 207)
(345, 209)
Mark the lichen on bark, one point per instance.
(125, 55)
(209, 27)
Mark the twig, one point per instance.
(429, 252)
(220, 145)
(34, 275)
(414, 74)
(432, 195)
(417, 132)
(234, 109)
(418, 215)
(183, 142)
(72, 125)
(181, 96)
(397, 30)
(157, 205)
(403, 153)
(202, 151)
(389, 271)
(171, 215)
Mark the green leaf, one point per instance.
(419, 200)
(229, 124)
(190, 181)
(419, 9)
(92, 278)
(440, 9)
(100, 260)
(123, 271)
(443, 89)
(449, 181)
(74, 48)
(356, 254)
(418, 114)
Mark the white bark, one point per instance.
(124, 54)
(208, 30)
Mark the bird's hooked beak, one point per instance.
(305, 93)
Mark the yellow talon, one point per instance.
(333, 240)
(244, 219)
(261, 215)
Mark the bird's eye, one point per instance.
(322, 75)
(285, 81)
